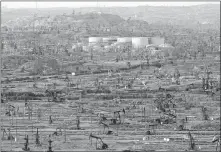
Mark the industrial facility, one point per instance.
(136, 42)
(99, 82)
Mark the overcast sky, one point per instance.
(96, 4)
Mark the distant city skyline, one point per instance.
(96, 4)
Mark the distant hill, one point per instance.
(188, 16)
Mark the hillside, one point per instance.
(200, 14)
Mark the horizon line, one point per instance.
(28, 5)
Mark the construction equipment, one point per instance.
(101, 145)
(216, 139)
(26, 148)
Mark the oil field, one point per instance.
(98, 82)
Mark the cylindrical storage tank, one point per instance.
(139, 42)
(107, 47)
(95, 39)
(124, 39)
(109, 39)
(96, 47)
(157, 40)
(74, 46)
(85, 48)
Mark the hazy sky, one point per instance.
(95, 4)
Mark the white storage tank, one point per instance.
(95, 39)
(139, 42)
(157, 40)
(85, 48)
(74, 46)
(124, 39)
(109, 39)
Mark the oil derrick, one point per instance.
(50, 120)
(148, 60)
(78, 122)
(204, 84)
(129, 65)
(37, 141)
(39, 113)
(192, 145)
(26, 148)
(177, 76)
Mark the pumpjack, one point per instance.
(117, 117)
(101, 145)
(9, 135)
(50, 142)
(57, 132)
(10, 110)
(217, 140)
(105, 126)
